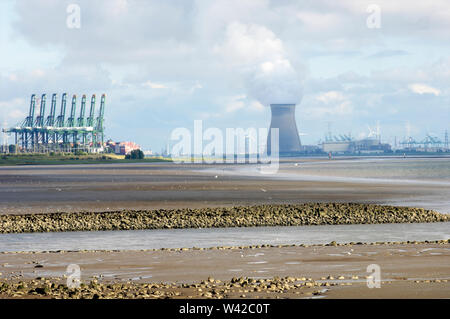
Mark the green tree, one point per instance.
(135, 154)
(12, 149)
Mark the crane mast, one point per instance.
(58, 133)
(62, 115)
(71, 119)
(30, 118)
(51, 118)
(82, 111)
(99, 124)
(40, 118)
(90, 119)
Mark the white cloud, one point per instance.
(38, 73)
(234, 106)
(256, 106)
(331, 96)
(12, 111)
(154, 85)
(235, 103)
(424, 89)
(319, 21)
(251, 44)
(257, 53)
(201, 54)
(342, 108)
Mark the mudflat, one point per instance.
(147, 186)
(411, 270)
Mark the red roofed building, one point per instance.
(124, 148)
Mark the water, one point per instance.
(431, 171)
(419, 182)
(211, 237)
(403, 169)
(416, 182)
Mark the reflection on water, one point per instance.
(210, 237)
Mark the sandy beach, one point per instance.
(414, 270)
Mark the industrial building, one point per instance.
(346, 145)
(58, 133)
(124, 148)
(283, 118)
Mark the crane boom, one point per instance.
(51, 118)
(30, 118)
(62, 117)
(90, 119)
(82, 111)
(101, 113)
(40, 118)
(71, 119)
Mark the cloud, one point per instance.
(424, 89)
(249, 44)
(244, 103)
(153, 85)
(235, 103)
(320, 21)
(12, 111)
(168, 62)
(275, 82)
(388, 54)
(269, 75)
(330, 96)
(329, 104)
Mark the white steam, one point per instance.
(275, 82)
(269, 75)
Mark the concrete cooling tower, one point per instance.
(283, 118)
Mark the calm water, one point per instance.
(412, 169)
(420, 182)
(210, 237)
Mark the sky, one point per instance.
(348, 65)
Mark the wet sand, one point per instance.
(95, 188)
(407, 270)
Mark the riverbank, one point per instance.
(407, 270)
(240, 216)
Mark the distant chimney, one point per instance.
(283, 118)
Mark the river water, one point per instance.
(420, 182)
(211, 237)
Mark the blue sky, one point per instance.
(164, 64)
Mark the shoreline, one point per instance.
(220, 217)
(332, 243)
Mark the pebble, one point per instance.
(246, 216)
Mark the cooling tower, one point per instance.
(283, 118)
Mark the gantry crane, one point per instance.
(34, 134)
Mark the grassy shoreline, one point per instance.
(218, 217)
